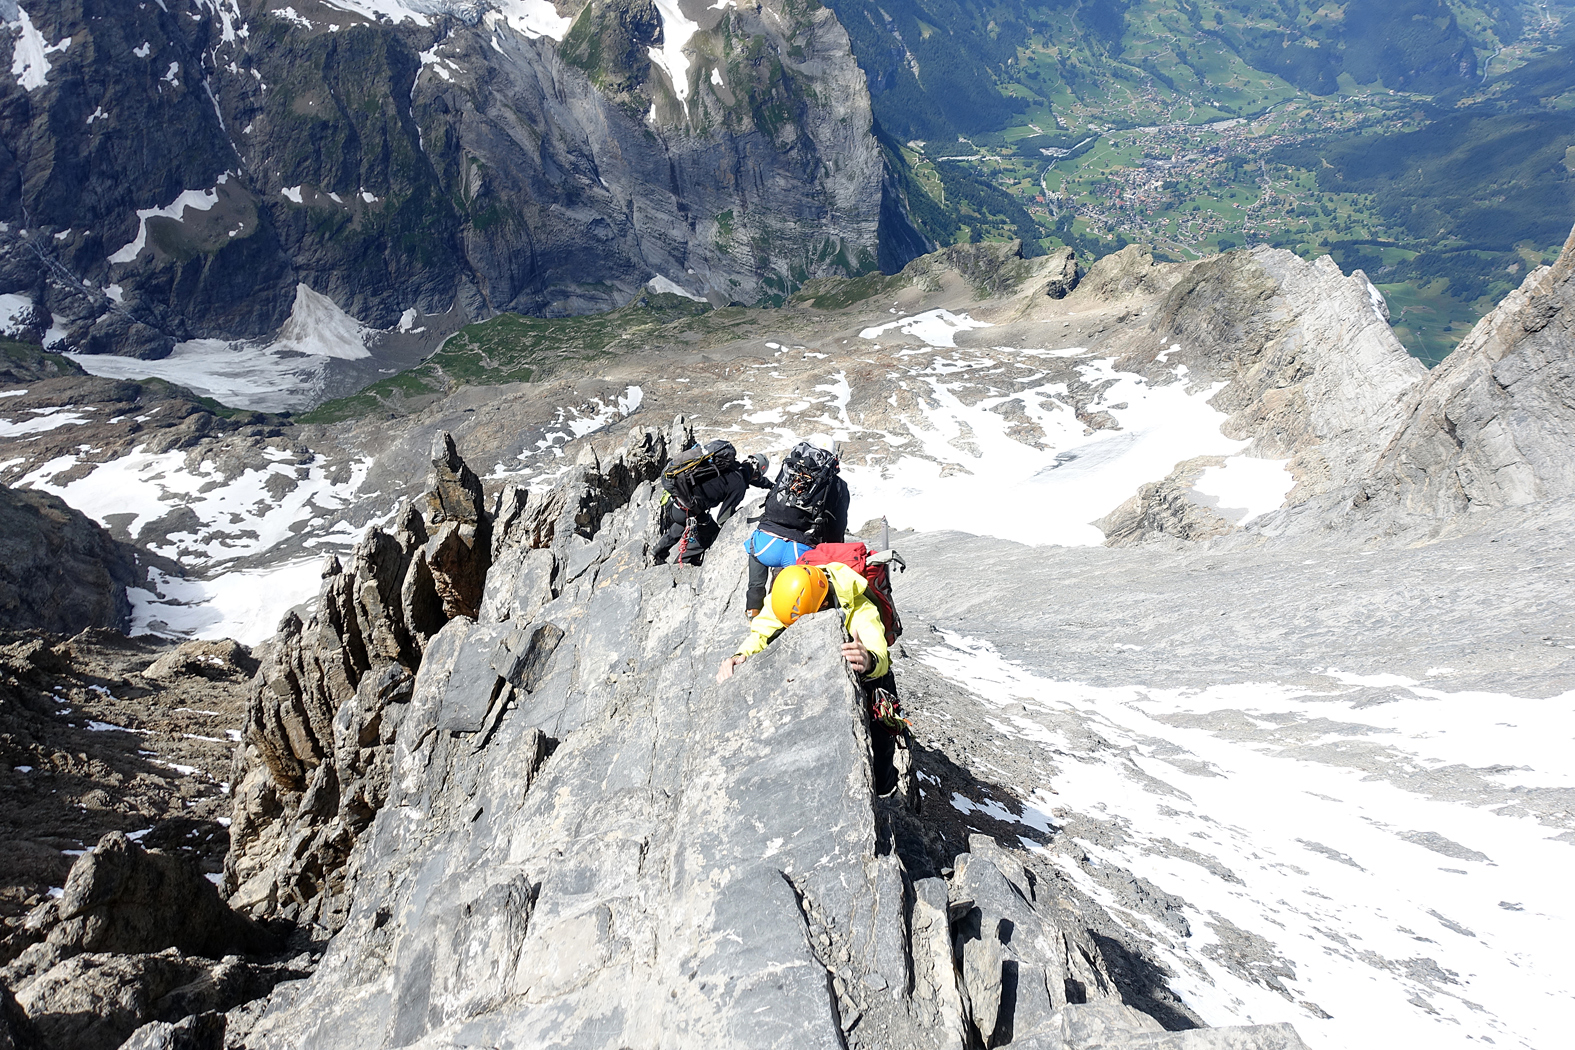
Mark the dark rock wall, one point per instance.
(60, 571)
(455, 163)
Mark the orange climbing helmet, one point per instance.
(798, 591)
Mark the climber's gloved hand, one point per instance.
(857, 656)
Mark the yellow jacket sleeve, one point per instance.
(764, 627)
(864, 623)
(860, 617)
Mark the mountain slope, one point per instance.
(441, 159)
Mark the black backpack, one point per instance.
(804, 488)
(695, 466)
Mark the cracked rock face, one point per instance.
(442, 162)
(1494, 425)
(586, 840)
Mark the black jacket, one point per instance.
(834, 531)
(722, 494)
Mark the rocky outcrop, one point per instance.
(135, 936)
(122, 898)
(314, 767)
(589, 841)
(310, 772)
(219, 660)
(96, 1001)
(1064, 274)
(1129, 273)
(1312, 372)
(60, 571)
(994, 269)
(1495, 422)
(443, 158)
(1166, 508)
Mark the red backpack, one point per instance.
(874, 567)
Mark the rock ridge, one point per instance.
(587, 841)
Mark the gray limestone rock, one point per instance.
(1013, 960)
(518, 584)
(728, 829)
(1312, 373)
(136, 936)
(1495, 422)
(196, 1032)
(1166, 508)
(315, 765)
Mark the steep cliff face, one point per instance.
(432, 157)
(1495, 423)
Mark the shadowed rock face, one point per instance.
(452, 165)
(60, 571)
(134, 936)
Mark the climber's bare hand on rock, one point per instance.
(725, 672)
(857, 656)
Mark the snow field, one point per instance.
(677, 30)
(933, 327)
(264, 378)
(240, 517)
(257, 378)
(245, 604)
(15, 310)
(979, 467)
(1326, 861)
(1243, 490)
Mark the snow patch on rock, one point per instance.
(1244, 489)
(933, 327)
(670, 287)
(197, 200)
(30, 55)
(677, 30)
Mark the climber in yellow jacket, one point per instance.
(802, 589)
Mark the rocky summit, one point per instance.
(1237, 661)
